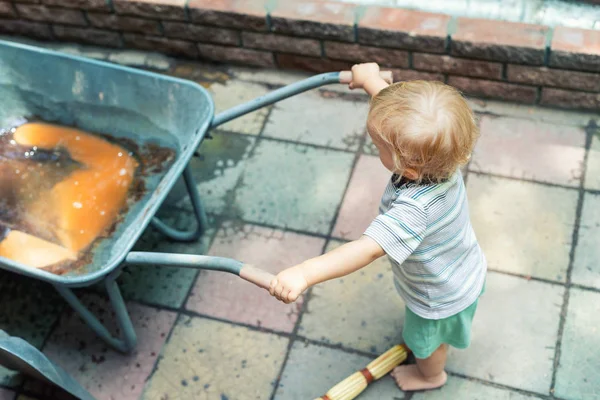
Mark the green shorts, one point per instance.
(424, 336)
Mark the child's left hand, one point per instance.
(288, 285)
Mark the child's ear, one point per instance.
(411, 174)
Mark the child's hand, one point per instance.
(288, 285)
(363, 72)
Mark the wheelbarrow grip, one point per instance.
(346, 76)
(259, 277)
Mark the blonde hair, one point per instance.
(428, 126)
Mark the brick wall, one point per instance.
(491, 59)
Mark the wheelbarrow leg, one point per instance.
(127, 340)
(201, 219)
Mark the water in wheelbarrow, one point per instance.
(61, 190)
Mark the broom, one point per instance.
(352, 386)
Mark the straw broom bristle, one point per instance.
(352, 386)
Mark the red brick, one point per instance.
(357, 54)
(162, 9)
(312, 64)
(240, 14)
(513, 42)
(122, 23)
(96, 5)
(87, 35)
(494, 90)
(570, 99)
(284, 44)
(172, 47)
(182, 30)
(51, 14)
(25, 28)
(458, 66)
(406, 29)
(542, 76)
(319, 19)
(236, 55)
(575, 49)
(7, 10)
(412, 75)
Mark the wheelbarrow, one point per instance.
(145, 108)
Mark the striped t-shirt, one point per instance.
(439, 268)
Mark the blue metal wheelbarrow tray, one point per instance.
(137, 106)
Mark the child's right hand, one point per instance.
(363, 72)
(288, 285)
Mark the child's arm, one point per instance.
(290, 283)
(367, 76)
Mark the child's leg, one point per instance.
(427, 374)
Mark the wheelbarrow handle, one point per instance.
(250, 273)
(346, 76)
(287, 91)
(259, 277)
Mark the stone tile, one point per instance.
(216, 171)
(292, 185)
(513, 324)
(105, 373)
(368, 311)
(586, 267)
(592, 175)
(535, 113)
(578, 376)
(6, 394)
(227, 296)
(268, 76)
(28, 309)
(233, 93)
(207, 359)
(526, 149)
(312, 370)
(523, 228)
(307, 118)
(362, 199)
(464, 389)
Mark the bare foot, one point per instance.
(409, 378)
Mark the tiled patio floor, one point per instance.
(295, 179)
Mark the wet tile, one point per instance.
(227, 296)
(586, 268)
(308, 118)
(368, 311)
(207, 359)
(529, 149)
(578, 376)
(513, 323)
(28, 309)
(234, 92)
(293, 186)
(523, 228)
(312, 370)
(361, 202)
(105, 373)
(216, 170)
(44, 390)
(592, 175)
(464, 389)
(6, 394)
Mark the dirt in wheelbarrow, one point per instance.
(63, 190)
